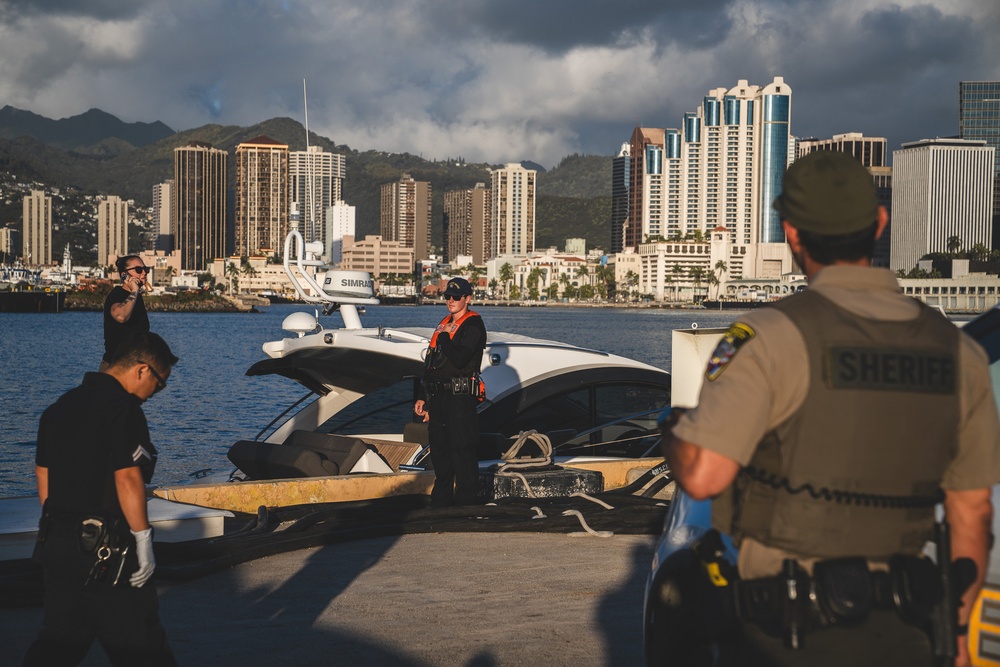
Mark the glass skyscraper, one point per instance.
(979, 118)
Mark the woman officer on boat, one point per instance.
(450, 390)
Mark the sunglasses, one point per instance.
(139, 269)
(449, 297)
(160, 382)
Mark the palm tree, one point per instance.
(713, 281)
(678, 272)
(720, 268)
(233, 272)
(506, 276)
(494, 284)
(533, 277)
(631, 280)
(697, 275)
(954, 244)
(248, 270)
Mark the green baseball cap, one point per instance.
(828, 193)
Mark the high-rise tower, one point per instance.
(37, 241)
(326, 171)
(112, 229)
(512, 210)
(979, 119)
(942, 189)
(467, 224)
(619, 197)
(406, 214)
(645, 186)
(262, 197)
(198, 221)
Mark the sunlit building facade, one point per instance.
(406, 214)
(512, 210)
(467, 224)
(316, 178)
(36, 210)
(112, 229)
(263, 207)
(942, 190)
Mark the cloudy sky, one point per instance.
(496, 80)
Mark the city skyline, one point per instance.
(497, 81)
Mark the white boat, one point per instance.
(357, 419)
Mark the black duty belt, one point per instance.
(459, 386)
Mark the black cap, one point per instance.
(828, 193)
(458, 287)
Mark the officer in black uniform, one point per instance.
(93, 460)
(451, 390)
(124, 309)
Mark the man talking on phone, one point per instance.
(124, 310)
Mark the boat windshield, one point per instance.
(382, 411)
(633, 436)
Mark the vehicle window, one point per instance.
(385, 410)
(562, 411)
(617, 401)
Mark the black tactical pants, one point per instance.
(453, 437)
(124, 620)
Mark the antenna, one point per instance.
(309, 170)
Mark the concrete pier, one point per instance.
(464, 599)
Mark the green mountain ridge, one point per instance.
(570, 197)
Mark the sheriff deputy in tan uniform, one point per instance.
(849, 388)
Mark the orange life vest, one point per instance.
(457, 325)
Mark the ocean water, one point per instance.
(210, 402)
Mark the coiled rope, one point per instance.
(511, 463)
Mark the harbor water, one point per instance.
(210, 402)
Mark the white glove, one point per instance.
(144, 551)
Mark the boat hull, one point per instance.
(249, 496)
(32, 302)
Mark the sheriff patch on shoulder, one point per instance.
(734, 338)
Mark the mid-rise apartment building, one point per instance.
(162, 215)
(377, 256)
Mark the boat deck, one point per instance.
(474, 599)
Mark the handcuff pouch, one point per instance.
(844, 591)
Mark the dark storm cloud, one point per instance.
(98, 9)
(559, 26)
(496, 80)
(894, 73)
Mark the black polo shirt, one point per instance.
(114, 331)
(85, 436)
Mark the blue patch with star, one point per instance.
(734, 338)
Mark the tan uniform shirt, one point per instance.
(766, 381)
